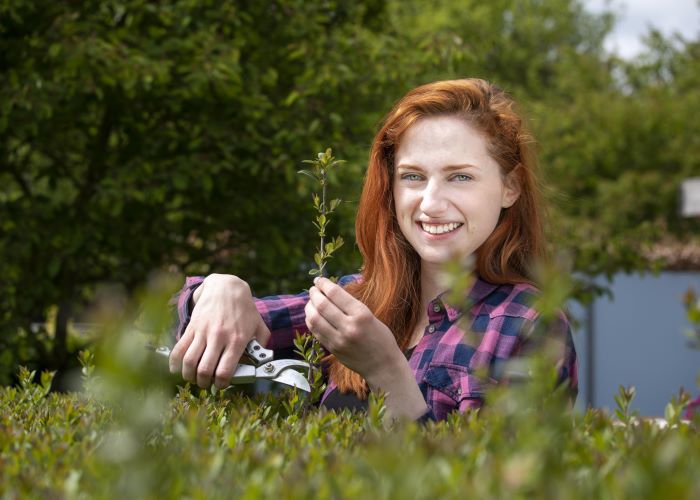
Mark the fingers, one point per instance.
(227, 365)
(336, 294)
(320, 327)
(191, 359)
(207, 364)
(326, 308)
(178, 352)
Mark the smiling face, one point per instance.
(448, 191)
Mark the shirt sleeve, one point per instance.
(553, 338)
(183, 302)
(283, 314)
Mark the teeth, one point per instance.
(440, 228)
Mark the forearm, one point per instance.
(403, 396)
(238, 288)
(235, 289)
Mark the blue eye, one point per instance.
(462, 177)
(410, 177)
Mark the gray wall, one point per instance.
(636, 338)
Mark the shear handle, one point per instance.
(244, 374)
(258, 353)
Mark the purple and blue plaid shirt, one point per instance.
(446, 360)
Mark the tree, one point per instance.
(136, 135)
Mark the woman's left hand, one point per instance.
(348, 329)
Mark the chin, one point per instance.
(437, 259)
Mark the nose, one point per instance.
(433, 202)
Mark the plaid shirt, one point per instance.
(446, 359)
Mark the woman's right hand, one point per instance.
(223, 321)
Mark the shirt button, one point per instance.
(431, 328)
(459, 391)
(436, 308)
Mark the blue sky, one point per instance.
(635, 16)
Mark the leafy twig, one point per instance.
(307, 346)
(321, 166)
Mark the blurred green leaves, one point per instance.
(216, 445)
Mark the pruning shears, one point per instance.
(283, 371)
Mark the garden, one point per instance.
(142, 142)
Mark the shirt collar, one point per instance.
(478, 292)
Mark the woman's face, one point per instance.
(448, 191)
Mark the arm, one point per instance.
(218, 310)
(224, 320)
(349, 330)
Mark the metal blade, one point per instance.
(294, 379)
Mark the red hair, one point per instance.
(391, 273)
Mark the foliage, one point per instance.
(138, 135)
(311, 351)
(307, 345)
(141, 135)
(225, 445)
(322, 167)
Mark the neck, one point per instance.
(431, 284)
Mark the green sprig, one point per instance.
(324, 163)
(307, 346)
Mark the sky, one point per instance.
(635, 16)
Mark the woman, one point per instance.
(451, 175)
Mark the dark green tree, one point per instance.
(138, 135)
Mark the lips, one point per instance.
(442, 228)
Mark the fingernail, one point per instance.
(316, 279)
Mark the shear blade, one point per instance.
(293, 378)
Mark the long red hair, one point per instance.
(391, 272)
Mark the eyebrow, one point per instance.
(448, 168)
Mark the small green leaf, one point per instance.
(291, 98)
(307, 173)
(669, 412)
